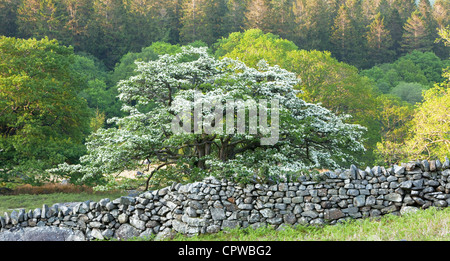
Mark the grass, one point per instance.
(31, 197)
(424, 225)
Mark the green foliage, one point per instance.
(431, 126)
(310, 136)
(424, 68)
(394, 117)
(126, 67)
(409, 92)
(417, 35)
(324, 79)
(43, 120)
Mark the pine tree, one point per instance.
(379, 41)
(348, 35)
(257, 15)
(8, 17)
(404, 8)
(79, 12)
(394, 25)
(192, 21)
(342, 31)
(441, 13)
(280, 18)
(40, 18)
(234, 17)
(416, 35)
(312, 22)
(108, 40)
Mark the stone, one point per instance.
(425, 165)
(126, 231)
(359, 201)
(370, 200)
(125, 200)
(446, 164)
(123, 218)
(14, 217)
(406, 184)
(44, 233)
(229, 224)
(398, 170)
(408, 209)
(394, 197)
(97, 234)
(110, 206)
(267, 213)
(218, 213)
(103, 202)
(389, 209)
(432, 165)
(310, 213)
(136, 222)
(289, 218)
(333, 214)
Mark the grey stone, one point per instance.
(394, 197)
(267, 213)
(408, 209)
(123, 218)
(14, 217)
(446, 164)
(359, 201)
(218, 214)
(406, 184)
(229, 224)
(126, 231)
(97, 234)
(353, 192)
(310, 213)
(125, 200)
(399, 170)
(44, 233)
(289, 218)
(425, 165)
(333, 214)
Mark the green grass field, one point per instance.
(29, 201)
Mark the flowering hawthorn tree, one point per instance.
(163, 97)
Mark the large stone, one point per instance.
(359, 201)
(218, 213)
(289, 218)
(44, 233)
(406, 184)
(446, 164)
(127, 231)
(267, 213)
(310, 213)
(332, 214)
(408, 209)
(398, 170)
(123, 218)
(137, 223)
(97, 234)
(394, 197)
(127, 200)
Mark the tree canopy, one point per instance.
(308, 135)
(42, 117)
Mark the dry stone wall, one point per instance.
(213, 205)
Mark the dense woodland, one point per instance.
(361, 33)
(384, 62)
